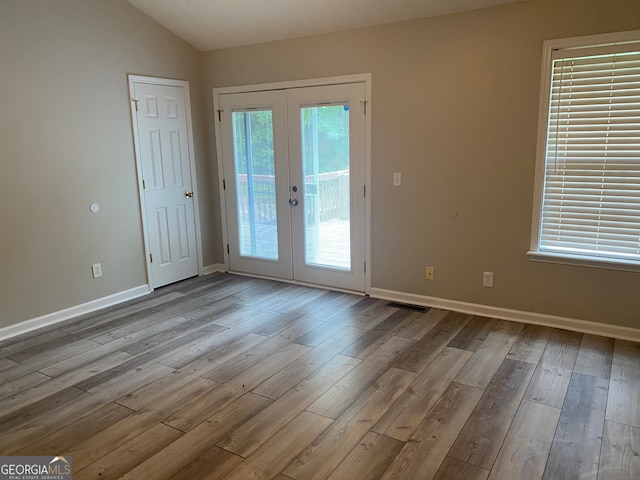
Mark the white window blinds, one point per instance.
(591, 193)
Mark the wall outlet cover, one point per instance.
(429, 273)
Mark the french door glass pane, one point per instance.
(255, 183)
(325, 167)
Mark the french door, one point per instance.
(294, 174)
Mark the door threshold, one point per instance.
(302, 284)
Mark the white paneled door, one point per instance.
(294, 174)
(163, 147)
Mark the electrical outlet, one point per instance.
(487, 279)
(429, 273)
(96, 269)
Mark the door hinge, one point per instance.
(224, 184)
(227, 248)
(365, 267)
(151, 257)
(144, 185)
(136, 102)
(219, 115)
(365, 190)
(364, 104)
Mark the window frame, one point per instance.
(549, 46)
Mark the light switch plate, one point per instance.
(96, 269)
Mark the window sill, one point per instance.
(584, 261)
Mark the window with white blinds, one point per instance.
(590, 195)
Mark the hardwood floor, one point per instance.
(227, 377)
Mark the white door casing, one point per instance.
(166, 174)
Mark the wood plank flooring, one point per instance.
(228, 377)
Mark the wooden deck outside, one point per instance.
(331, 246)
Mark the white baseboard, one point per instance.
(583, 326)
(75, 311)
(216, 267)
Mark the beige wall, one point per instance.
(66, 141)
(455, 109)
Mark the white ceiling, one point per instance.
(213, 24)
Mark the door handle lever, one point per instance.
(188, 194)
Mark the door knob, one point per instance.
(188, 194)
(293, 202)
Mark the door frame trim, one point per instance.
(313, 82)
(132, 79)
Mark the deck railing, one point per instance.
(330, 196)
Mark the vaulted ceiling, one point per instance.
(214, 24)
